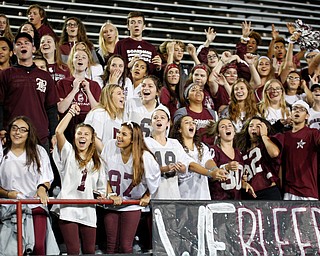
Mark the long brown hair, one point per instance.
(92, 152)
(7, 31)
(107, 103)
(138, 148)
(249, 103)
(176, 134)
(81, 36)
(32, 153)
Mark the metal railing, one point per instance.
(20, 202)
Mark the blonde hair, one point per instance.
(102, 43)
(72, 53)
(265, 102)
(107, 103)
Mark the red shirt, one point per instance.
(230, 189)
(28, 92)
(300, 163)
(128, 48)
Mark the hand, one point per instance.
(3, 136)
(77, 84)
(250, 58)
(262, 128)
(170, 47)
(133, 60)
(219, 175)
(226, 57)
(115, 76)
(117, 200)
(145, 200)
(314, 79)
(291, 27)
(157, 61)
(191, 49)
(274, 32)
(250, 189)
(303, 84)
(246, 28)
(85, 85)
(42, 194)
(210, 34)
(13, 194)
(75, 108)
(232, 166)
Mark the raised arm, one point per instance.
(274, 34)
(62, 126)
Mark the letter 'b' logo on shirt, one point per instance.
(42, 84)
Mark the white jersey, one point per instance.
(105, 127)
(194, 185)
(120, 174)
(290, 99)
(16, 175)
(314, 119)
(136, 112)
(77, 183)
(273, 115)
(172, 152)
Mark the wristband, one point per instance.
(42, 185)
(111, 194)
(71, 112)
(211, 170)
(245, 38)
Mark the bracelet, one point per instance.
(111, 194)
(42, 185)
(211, 170)
(72, 112)
(245, 38)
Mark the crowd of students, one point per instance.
(130, 121)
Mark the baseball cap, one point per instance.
(301, 103)
(314, 86)
(23, 34)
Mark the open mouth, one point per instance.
(191, 129)
(146, 93)
(24, 51)
(159, 124)
(228, 133)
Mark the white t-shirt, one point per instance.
(16, 175)
(290, 99)
(314, 119)
(120, 174)
(194, 185)
(172, 152)
(71, 177)
(136, 112)
(273, 115)
(105, 127)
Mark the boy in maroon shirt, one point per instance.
(29, 91)
(134, 48)
(299, 154)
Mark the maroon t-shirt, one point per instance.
(221, 98)
(171, 104)
(230, 189)
(58, 73)
(300, 164)
(261, 169)
(28, 92)
(64, 87)
(46, 30)
(128, 48)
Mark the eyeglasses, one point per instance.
(294, 78)
(228, 75)
(300, 109)
(278, 89)
(75, 25)
(16, 128)
(211, 57)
